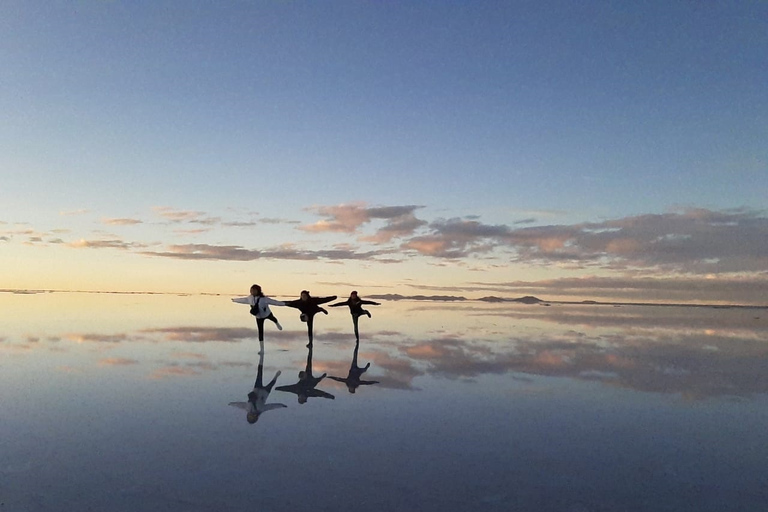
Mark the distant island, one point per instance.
(528, 299)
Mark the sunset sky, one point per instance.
(561, 149)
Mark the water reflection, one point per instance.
(257, 398)
(555, 386)
(695, 352)
(306, 387)
(352, 380)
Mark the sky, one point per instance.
(611, 150)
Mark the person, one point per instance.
(257, 398)
(355, 304)
(260, 308)
(355, 372)
(306, 387)
(309, 307)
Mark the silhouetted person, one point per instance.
(355, 304)
(260, 308)
(309, 307)
(305, 388)
(355, 372)
(257, 398)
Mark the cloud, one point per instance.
(120, 222)
(268, 220)
(343, 218)
(458, 238)
(198, 231)
(237, 253)
(117, 361)
(105, 244)
(694, 241)
(188, 216)
(399, 227)
(349, 218)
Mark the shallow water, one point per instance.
(121, 402)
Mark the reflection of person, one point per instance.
(260, 308)
(355, 372)
(257, 398)
(355, 304)
(306, 387)
(309, 307)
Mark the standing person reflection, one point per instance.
(309, 307)
(257, 398)
(355, 304)
(260, 308)
(355, 372)
(306, 387)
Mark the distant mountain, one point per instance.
(528, 299)
(492, 298)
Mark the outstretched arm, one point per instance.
(342, 303)
(242, 300)
(323, 300)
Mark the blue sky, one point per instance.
(265, 137)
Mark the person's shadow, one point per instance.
(306, 387)
(257, 398)
(353, 380)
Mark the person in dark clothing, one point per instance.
(309, 307)
(355, 372)
(355, 304)
(306, 387)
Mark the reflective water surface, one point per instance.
(142, 402)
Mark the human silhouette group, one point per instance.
(306, 387)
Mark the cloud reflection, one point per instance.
(694, 352)
(635, 352)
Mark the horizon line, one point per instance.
(418, 297)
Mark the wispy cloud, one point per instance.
(117, 361)
(70, 213)
(105, 244)
(120, 221)
(189, 216)
(237, 253)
